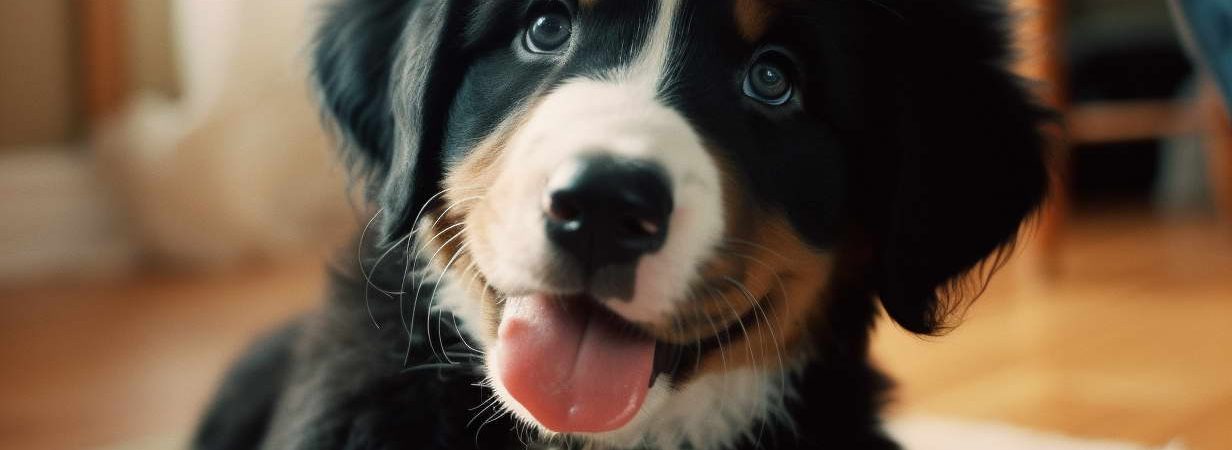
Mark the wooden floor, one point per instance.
(1132, 341)
(84, 366)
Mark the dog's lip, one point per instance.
(634, 327)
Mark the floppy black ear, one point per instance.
(972, 167)
(383, 69)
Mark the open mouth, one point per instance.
(576, 366)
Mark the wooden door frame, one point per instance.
(104, 75)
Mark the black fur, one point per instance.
(915, 155)
(240, 414)
(345, 383)
(971, 169)
(362, 45)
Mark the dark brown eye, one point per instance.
(768, 82)
(548, 33)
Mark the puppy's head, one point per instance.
(636, 202)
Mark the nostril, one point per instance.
(562, 207)
(643, 227)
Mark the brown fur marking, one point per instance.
(777, 291)
(764, 274)
(466, 190)
(753, 18)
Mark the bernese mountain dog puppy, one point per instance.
(644, 224)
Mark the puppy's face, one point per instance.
(638, 207)
(601, 158)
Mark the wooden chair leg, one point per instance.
(1040, 37)
(104, 77)
(1219, 151)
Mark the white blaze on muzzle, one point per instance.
(568, 368)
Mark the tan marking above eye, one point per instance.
(588, 3)
(753, 17)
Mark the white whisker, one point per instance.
(773, 336)
(423, 281)
(432, 301)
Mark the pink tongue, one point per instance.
(573, 369)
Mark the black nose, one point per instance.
(607, 211)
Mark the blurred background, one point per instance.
(167, 191)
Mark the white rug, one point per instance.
(929, 433)
(917, 433)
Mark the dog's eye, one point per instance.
(548, 33)
(769, 82)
